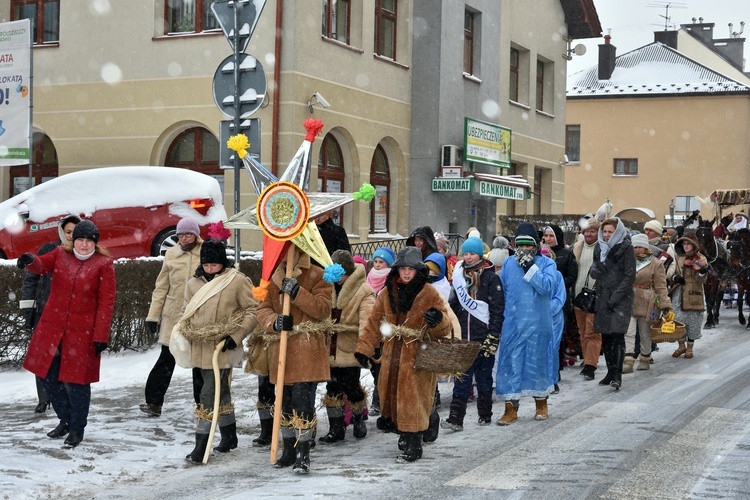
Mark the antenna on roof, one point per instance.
(666, 6)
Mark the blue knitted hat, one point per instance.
(386, 254)
(473, 245)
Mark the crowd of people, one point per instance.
(521, 299)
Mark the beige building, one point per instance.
(656, 129)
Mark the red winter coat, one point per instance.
(78, 313)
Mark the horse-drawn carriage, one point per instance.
(728, 253)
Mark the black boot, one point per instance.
(619, 357)
(287, 454)
(360, 427)
(266, 433)
(336, 431)
(228, 438)
(402, 441)
(609, 358)
(413, 451)
(73, 439)
(302, 462)
(59, 431)
(196, 456)
(431, 434)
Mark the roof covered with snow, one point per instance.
(653, 69)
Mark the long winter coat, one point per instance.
(614, 285)
(168, 297)
(235, 301)
(650, 283)
(406, 395)
(489, 291)
(78, 313)
(306, 355)
(355, 300)
(525, 359)
(692, 291)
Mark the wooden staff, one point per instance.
(217, 394)
(281, 372)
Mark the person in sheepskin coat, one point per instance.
(352, 302)
(219, 310)
(74, 328)
(307, 354)
(688, 297)
(406, 394)
(614, 271)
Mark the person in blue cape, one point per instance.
(527, 360)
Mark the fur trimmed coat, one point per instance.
(168, 297)
(650, 282)
(355, 300)
(78, 313)
(306, 355)
(406, 395)
(230, 311)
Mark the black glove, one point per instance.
(527, 265)
(29, 318)
(362, 359)
(283, 323)
(229, 343)
(290, 287)
(99, 347)
(489, 347)
(678, 279)
(152, 326)
(24, 260)
(433, 317)
(610, 306)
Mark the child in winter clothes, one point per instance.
(382, 260)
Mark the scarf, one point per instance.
(642, 261)
(81, 256)
(376, 278)
(471, 276)
(615, 239)
(524, 256)
(477, 308)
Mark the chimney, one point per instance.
(607, 53)
(668, 38)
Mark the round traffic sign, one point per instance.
(252, 85)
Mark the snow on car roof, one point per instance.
(86, 191)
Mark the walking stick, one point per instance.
(285, 309)
(217, 394)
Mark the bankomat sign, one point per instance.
(445, 184)
(501, 191)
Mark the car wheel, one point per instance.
(164, 241)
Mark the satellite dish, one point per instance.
(579, 49)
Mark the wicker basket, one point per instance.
(657, 336)
(449, 355)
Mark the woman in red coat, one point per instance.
(74, 327)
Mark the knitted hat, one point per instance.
(344, 258)
(188, 225)
(471, 230)
(640, 240)
(385, 253)
(498, 256)
(86, 229)
(500, 242)
(473, 245)
(654, 225)
(442, 244)
(435, 262)
(214, 252)
(359, 260)
(409, 257)
(526, 235)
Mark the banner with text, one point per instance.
(15, 92)
(486, 143)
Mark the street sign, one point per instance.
(248, 13)
(251, 128)
(447, 184)
(252, 86)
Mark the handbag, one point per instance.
(180, 348)
(586, 299)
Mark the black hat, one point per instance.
(214, 252)
(527, 235)
(409, 257)
(86, 229)
(344, 258)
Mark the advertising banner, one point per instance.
(15, 92)
(486, 143)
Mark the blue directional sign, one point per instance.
(247, 12)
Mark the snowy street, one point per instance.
(679, 430)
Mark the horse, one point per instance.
(739, 261)
(718, 269)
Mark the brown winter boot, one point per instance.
(689, 351)
(541, 409)
(644, 362)
(627, 364)
(510, 416)
(680, 349)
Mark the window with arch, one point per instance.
(380, 178)
(331, 171)
(196, 149)
(44, 165)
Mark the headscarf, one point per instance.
(616, 238)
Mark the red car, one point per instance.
(135, 208)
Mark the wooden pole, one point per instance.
(217, 394)
(286, 307)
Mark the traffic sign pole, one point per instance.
(236, 50)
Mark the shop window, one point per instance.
(188, 16)
(331, 171)
(44, 16)
(380, 178)
(45, 166)
(196, 149)
(337, 19)
(385, 28)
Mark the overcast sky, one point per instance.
(633, 23)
